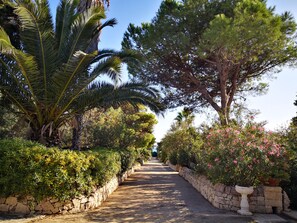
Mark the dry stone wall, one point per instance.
(264, 199)
(28, 205)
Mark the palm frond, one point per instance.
(106, 95)
(38, 38)
(69, 76)
(65, 16)
(111, 22)
(83, 28)
(5, 44)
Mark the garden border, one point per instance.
(264, 199)
(29, 206)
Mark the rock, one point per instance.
(22, 209)
(84, 200)
(47, 207)
(54, 200)
(82, 206)
(58, 205)
(55, 210)
(4, 208)
(2, 200)
(76, 203)
(11, 201)
(286, 201)
(38, 208)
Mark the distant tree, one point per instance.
(211, 53)
(185, 118)
(123, 128)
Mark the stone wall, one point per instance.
(263, 200)
(29, 205)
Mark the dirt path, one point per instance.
(153, 193)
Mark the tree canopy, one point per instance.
(211, 53)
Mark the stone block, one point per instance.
(235, 203)
(2, 200)
(76, 203)
(220, 187)
(234, 192)
(64, 212)
(47, 207)
(4, 208)
(228, 189)
(22, 209)
(273, 203)
(54, 200)
(82, 206)
(11, 201)
(74, 210)
(286, 201)
(38, 208)
(84, 200)
(55, 210)
(58, 205)
(90, 205)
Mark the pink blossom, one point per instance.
(235, 161)
(217, 160)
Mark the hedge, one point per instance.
(28, 168)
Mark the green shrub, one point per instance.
(173, 157)
(290, 136)
(143, 154)
(128, 158)
(183, 158)
(181, 145)
(31, 169)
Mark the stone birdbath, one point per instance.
(244, 204)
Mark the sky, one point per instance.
(276, 107)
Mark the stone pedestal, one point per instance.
(244, 203)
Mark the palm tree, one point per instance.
(50, 78)
(185, 118)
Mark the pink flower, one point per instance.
(217, 160)
(235, 162)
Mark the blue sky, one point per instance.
(276, 107)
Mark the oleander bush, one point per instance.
(245, 156)
(28, 168)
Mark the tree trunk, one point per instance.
(224, 118)
(47, 135)
(76, 132)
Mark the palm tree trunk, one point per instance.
(77, 132)
(47, 135)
